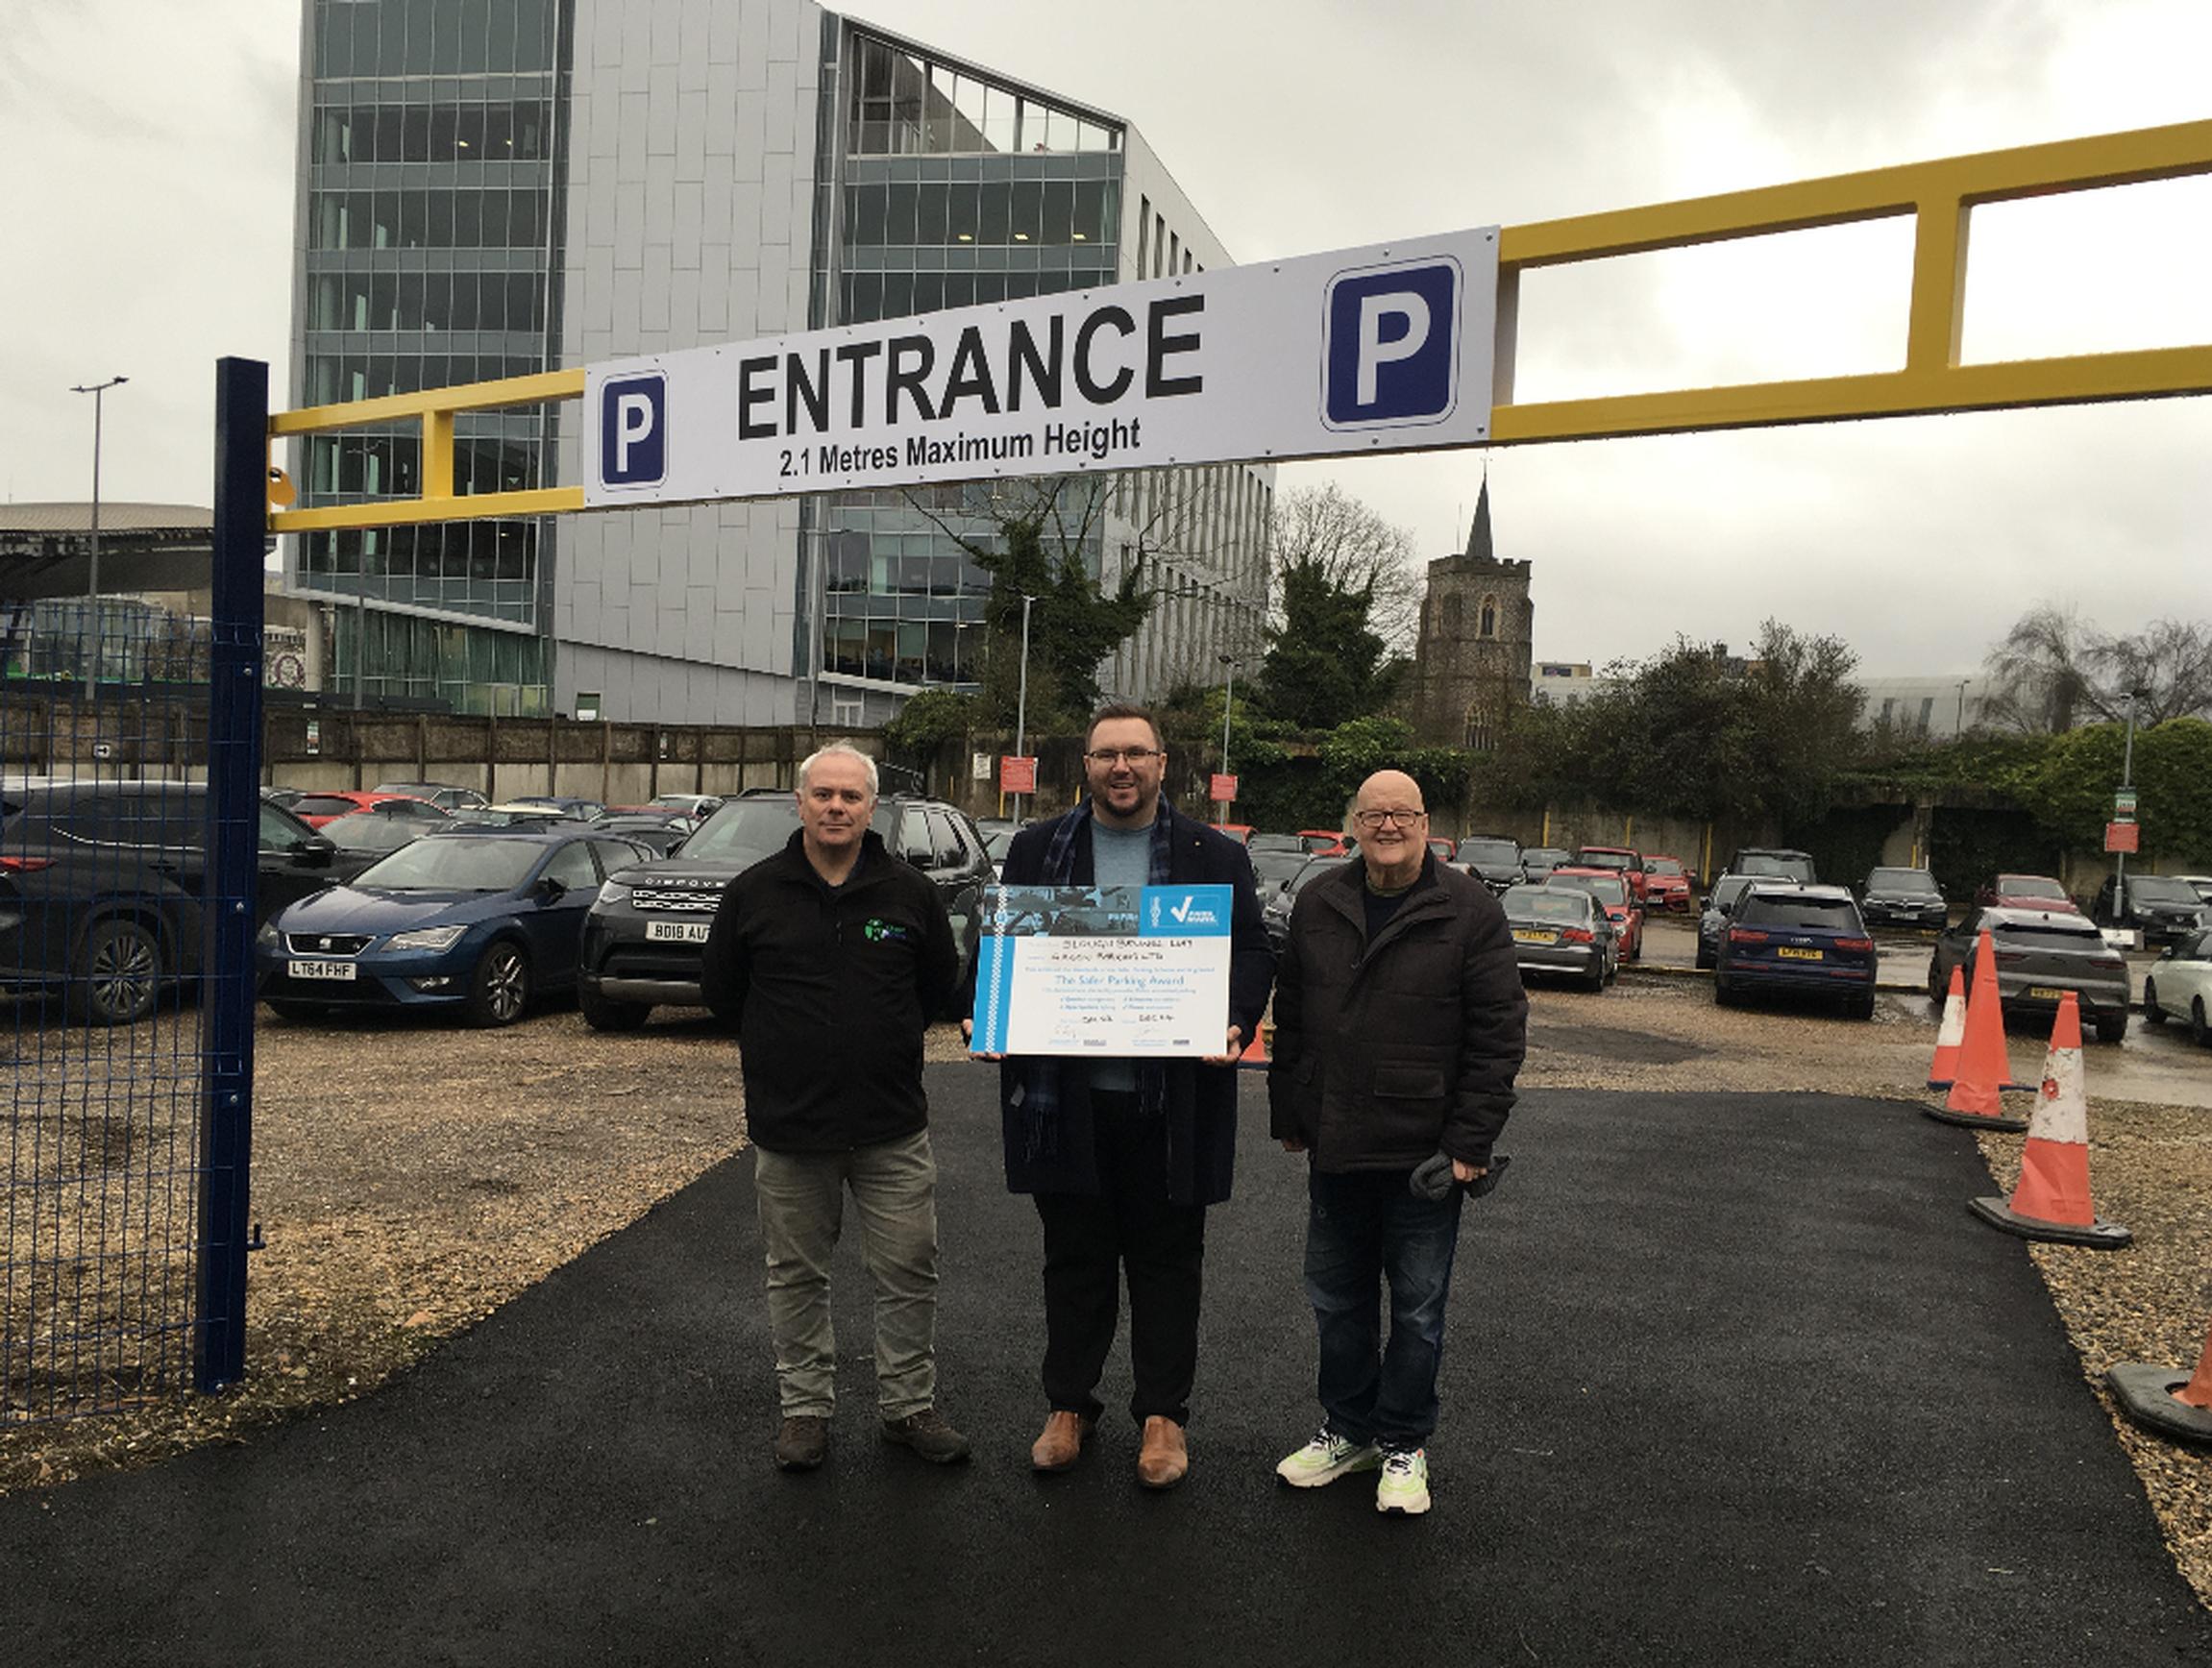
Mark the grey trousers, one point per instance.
(893, 1187)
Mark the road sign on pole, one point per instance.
(2121, 837)
(2123, 804)
(1221, 789)
(1016, 774)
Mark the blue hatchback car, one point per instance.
(478, 920)
(1787, 937)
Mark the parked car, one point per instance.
(2179, 986)
(2024, 892)
(521, 814)
(1903, 897)
(567, 804)
(1628, 864)
(1326, 842)
(1240, 832)
(2041, 954)
(1273, 870)
(1493, 859)
(365, 837)
(658, 832)
(2201, 884)
(2165, 907)
(1712, 920)
(282, 798)
(481, 920)
(1275, 912)
(1666, 883)
(1559, 929)
(1611, 888)
(697, 805)
(996, 845)
(643, 938)
(1538, 861)
(1798, 938)
(1276, 843)
(317, 809)
(1441, 849)
(1776, 862)
(101, 887)
(445, 795)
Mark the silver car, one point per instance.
(2040, 956)
(1558, 930)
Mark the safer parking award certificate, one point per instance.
(1103, 969)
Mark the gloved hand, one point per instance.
(1431, 1178)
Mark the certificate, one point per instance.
(1103, 971)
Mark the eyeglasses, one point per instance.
(1395, 819)
(1115, 755)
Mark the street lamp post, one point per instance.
(92, 574)
(1021, 699)
(1960, 730)
(2126, 781)
(1228, 705)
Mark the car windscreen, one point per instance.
(2029, 886)
(1727, 890)
(2070, 941)
(1278, 865)
(1315, 868)
(1545, 903)
(1661, 866)
(2160, 889)
(1503, 853)
(1791, 867)
(1825, 914)
(1604, 888)
(1601, 860)
(362, 832)
(455, 863)
(321, 805)
(744, 831)
(1913, 881)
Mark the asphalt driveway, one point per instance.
(1734, 1379)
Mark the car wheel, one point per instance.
(1937, 993)
(2112, 1027)
(605, 1013)
(1597, 979)
(1860, 1007)
(298, 1013)
(117, 976)
(2199, 1033)
(1704, 957)
(2152, 1012)
(1723, 992)
(499, 989)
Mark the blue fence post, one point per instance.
(233, 838)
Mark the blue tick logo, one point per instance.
(634, 430)
(1391, 354)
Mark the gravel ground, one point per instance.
(413, 1179)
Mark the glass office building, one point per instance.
(492, 187)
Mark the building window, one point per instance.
(1490, 617)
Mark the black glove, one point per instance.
(1432, 1179)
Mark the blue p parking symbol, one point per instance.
(633, 430)
(1391, 347)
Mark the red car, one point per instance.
(1666, 882)
(2025, 891)
(1619, 859)
(1611, 888)
(1324, 842)
(317, 809)
(1445, 849)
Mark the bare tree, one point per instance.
(1325, 531)
(2053, 672)
(2167, 664)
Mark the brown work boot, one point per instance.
(928, 1435)
(804, 1442)
(1061, 1442)
(1164, 1458)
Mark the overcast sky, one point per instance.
(146, 162)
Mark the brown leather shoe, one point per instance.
(1060, 1444)
(1164, 1458)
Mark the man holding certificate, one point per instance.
(1124, 1143)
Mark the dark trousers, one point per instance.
(1089, 1242)
(1362, 1231)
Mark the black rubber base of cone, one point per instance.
(2002, 1122)
(2146, 1395)
(2099, 1235)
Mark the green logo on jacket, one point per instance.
(878, 932)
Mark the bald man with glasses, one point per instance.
(1400, 1024)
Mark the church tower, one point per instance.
(1471, 662)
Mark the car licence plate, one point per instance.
(322, 971)
(682, 932)
(1529, 936)
(1790, 953)
(2045, 994)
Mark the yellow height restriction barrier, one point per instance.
(1940, 196)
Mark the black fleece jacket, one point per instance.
(830, 990)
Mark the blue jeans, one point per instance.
(1362, 1230)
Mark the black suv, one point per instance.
(643, 938)
(101, 885)
(2166, 909)
(1772, 862)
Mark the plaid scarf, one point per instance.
(1040, 1082)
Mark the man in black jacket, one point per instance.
(1400, 1023)
(1123, 1156)
(831, 958)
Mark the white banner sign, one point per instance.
(1385, 349)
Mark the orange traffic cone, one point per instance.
(2052, 1200)
(2159, 1399)
(1983, 1070)
(1949, 1035)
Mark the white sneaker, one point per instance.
(1327, 1457)
(1404, 1485)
